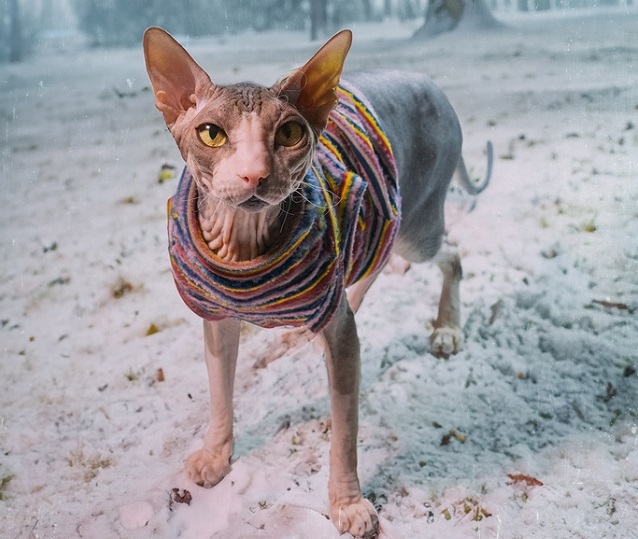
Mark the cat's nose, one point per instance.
(252, 164)
(254, 179)
(254, 172)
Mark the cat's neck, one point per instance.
(237, 235)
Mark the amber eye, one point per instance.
(289, 134)
(212, 135)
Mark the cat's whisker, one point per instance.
(319, 189)
(298, 197)
(302, 197)
(284, 212)
(336, 199)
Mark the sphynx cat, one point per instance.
(309, 184)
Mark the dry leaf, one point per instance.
(152, 330)
(184, 497)
(612, 305)
(521, 478)
(121, 288)
(458, 436)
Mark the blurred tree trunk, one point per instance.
(46, 14)
(387, 9)
(15, 32)
(523, 5)
(318, 18)
(367, 10)
(408, 9)
(447, 15)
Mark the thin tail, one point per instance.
(470, 186)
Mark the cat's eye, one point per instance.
(212, 135)
(289, 134)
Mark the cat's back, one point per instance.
(415, 113)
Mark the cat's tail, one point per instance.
(472, 187)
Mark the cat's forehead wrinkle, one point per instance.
(248, 97)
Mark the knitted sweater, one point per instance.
(343, 232)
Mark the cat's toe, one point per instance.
(359, 518)
(206, 469)
(446, 341)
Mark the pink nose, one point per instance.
(253, 179)
(253, 171)
(252, 164)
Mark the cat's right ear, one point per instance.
(176, 78)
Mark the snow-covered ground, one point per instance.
(530, 432)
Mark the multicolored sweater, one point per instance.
(344, 232)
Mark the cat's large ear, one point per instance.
(176, 78)
(312, 88)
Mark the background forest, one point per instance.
(27, 24)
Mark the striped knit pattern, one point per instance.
(341, 233)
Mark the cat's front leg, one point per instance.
(349, 511)
(211, 463)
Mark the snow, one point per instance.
(93, 437)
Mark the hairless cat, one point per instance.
(292, 195)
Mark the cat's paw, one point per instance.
(446, 341)
(206, 468)
(359, 518)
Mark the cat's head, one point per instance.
(247, 145)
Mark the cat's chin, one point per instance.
(253, 205)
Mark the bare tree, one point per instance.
(387, 8)
(318, 18)
(15, 32)
(367, 10)
(447, 15)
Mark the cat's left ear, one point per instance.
(176, 78)
(312, 88)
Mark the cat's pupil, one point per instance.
(289, 134)
(212, 135)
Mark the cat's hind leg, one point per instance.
(447, 337)
(429, 246)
